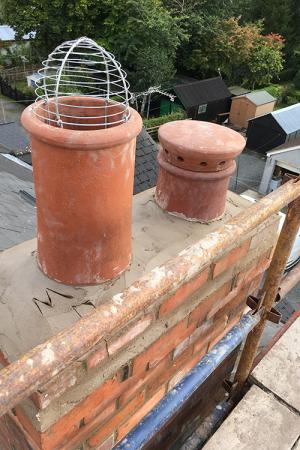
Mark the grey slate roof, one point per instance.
(17, 214)
(201, 92)
(260, 97)
(146, 168)
(288, 118)
(12, 137)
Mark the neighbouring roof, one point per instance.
(259, 97)
(288, 118)
(288, 145)
(12, 137)
(201, 92)
(238, 90)
(8, 34)
(17, 211)
(145, 162)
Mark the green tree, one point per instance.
(281, 17)
(53, 21)
(144, 36)
(265, 61)
(240, 52)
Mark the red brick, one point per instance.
(258, 268)
(199, 314)
(234, 301)
(139, 382)
(181, 347)
(230, 258)
(87, 429)
(164, 345)
(183, 293)
(186, 368)
(215, 330)
(68, 425)
(137, 417)
(107, 444)
(229, 326)
(100, 413)
(223, 302)
(28, 427)
(117, 419)
(173, 367)
(138, 328)
(99, 355)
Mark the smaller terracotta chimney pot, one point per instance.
(196, 160)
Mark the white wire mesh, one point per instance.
(82, 85)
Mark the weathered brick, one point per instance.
(13, 436)
(68, 425)
(117, 419)
(223, 302)
(164, 345)
(87, 428)
(98, 356)
(186, 368)
(137, 417)
(27, 425)
(230, 258)
(139, 327)
(173, 367)
(140, 381)
(259, 266)
(199, 314)
(100, 413)
(217, 338)
(183, 293)
(107, 444)
(200, 331)
(181, 347)
(215, 330)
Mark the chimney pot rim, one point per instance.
(82, 139)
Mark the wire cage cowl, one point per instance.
(82, 86)
(83, 140)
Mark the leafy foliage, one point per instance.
(155, 38)
(53, 21)
(297, 80)
(240, 52)
(145, 37)
(158, 121)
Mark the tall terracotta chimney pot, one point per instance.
(196, 160)
(84, 186)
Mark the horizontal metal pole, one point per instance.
(183, 391)
(23, 377)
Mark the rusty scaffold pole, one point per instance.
(269, 293)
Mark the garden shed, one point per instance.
(276, 128)
(246, 107)
(205, 99)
